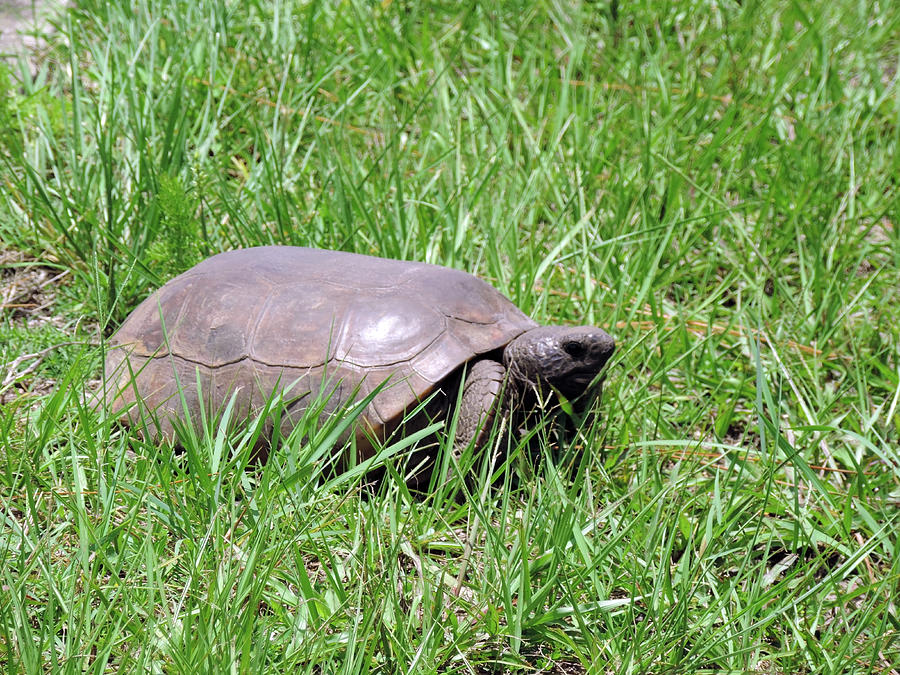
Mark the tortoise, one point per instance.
(250, 323)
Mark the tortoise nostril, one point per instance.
(574, 349)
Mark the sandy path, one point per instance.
(19, 17)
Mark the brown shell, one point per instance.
(248, 322)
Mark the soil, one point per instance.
(27, 295)
(21, 20)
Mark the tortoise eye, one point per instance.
(574, 349)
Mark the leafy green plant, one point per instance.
(179, 242)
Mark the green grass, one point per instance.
(715, 183)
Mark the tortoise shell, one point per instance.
(250, 322)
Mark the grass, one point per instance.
(715, 183)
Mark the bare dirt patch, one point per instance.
(28, 292)
(22, 22)
(27, 289)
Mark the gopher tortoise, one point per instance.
(315, 324)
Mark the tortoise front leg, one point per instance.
(480, 404)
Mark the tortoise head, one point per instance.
(567, 358)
